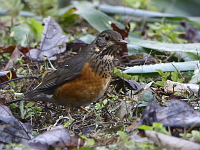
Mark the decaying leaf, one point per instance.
(15, 55)
(56, 138)
(11, 129)
(120, 83)
(124, 33)
(53, 41)
(175, 113)
(7, 75)
(9, 49)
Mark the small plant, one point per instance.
(12, 146)
(165, 75)
(140, 4)
(175, 77)
(194, 135)
(43, 8)
(29, 110)
(164, 33)
(126, 143)
(158, 127)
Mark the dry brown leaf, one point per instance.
(124, 33)
(7, 75)
(15, 55)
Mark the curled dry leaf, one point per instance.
(53, 41)
(121, 83)
(56, 138)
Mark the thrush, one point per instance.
(83, 78)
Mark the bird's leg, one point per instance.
(67, 108)
(83, 109)
(88, 113)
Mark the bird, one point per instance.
(83, 78)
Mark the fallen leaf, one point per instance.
(9, 49)
(121, 83)
(192, 35)
(56, 138)
(11, 129)
(15, 55)
(124, 33)
(7, 75)
(53, 42)
(175, 114)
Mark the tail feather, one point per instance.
(43, 98)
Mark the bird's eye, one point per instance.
(107, 38)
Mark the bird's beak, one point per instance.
(122, 42)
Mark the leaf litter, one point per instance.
(153, 113)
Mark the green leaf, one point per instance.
(157, 125)
(179, 9)
(132, 12)
(163, 74)
(12, 7)
(38, 109)
(145, 127)
(159, 128)
(165, 67)
(95, 18)
(122, 134)
(196, 135)
(90, 142)
(175, 77)
(68, 123)
(20, 34)
(30, 104)
(98, 106)
(164, 32)
(36, 27)
(100, 21)
(193, 47)
(161, 83)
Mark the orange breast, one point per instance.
(83, 90)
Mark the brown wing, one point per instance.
(70, 70)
